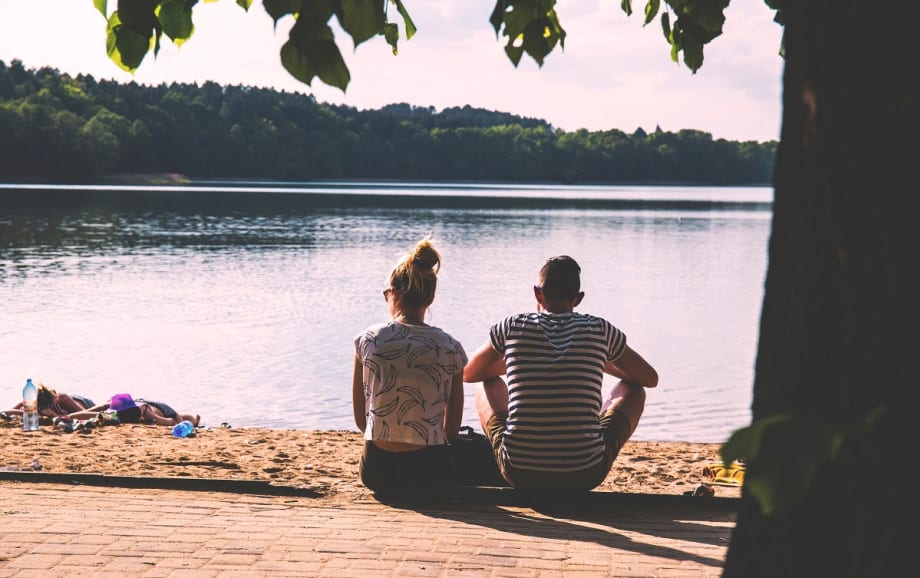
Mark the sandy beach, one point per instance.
(325, 462)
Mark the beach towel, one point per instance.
(720, 474)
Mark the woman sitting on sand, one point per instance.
(408, 387)
(53, 404)
(130, 410)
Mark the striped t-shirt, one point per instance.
(555, 372)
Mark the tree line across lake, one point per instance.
(62, 128)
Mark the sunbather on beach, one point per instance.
(140, 410)
(52, 403)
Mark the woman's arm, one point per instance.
(454, 416)
(357, 395)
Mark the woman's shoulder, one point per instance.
(373, 329)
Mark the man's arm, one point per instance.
(485, 363)
(632, 368)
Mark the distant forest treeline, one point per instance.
(56, 127)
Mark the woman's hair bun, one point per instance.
(427, 255)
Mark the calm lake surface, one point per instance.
(240, 301)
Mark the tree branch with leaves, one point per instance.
(136, 27)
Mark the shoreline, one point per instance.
(321, 462)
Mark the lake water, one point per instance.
(240, 301)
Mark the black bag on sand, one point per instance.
(474, 464)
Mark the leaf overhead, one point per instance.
(129, 34)
(311, 52)
(709, 14)
(278, 9)
(651, 10)
(693, 51)
(175, 16)
(696, 23)
(391, 34)
(362, 19)
(530, 27)
(407, 20)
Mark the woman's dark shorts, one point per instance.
(422, 474)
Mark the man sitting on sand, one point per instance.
(548, 428)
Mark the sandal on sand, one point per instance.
(702, 490)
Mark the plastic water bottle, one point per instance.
(29, 407)
(183, 429)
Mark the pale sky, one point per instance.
(612, 74)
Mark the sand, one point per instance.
(325, 462)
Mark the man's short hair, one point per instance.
(560, 278)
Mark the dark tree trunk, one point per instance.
(840, 334)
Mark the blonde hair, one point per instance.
(415, 277)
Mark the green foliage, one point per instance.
(362, 19)
(310, 52)
(175, 17)
(697, 23)
(125, 46)
(58, 127)
(529, 26)
(785, 453)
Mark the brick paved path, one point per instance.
(55, 529)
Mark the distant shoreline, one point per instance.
(144, 179)
(179, 179)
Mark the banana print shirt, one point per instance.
(408, 371)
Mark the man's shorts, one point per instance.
(616, 430)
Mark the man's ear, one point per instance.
(581, 295)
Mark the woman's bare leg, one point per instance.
(195, 419)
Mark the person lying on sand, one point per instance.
(130, 410)
(52, 404)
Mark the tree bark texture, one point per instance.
(840, 332)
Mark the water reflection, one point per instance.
(229, 303)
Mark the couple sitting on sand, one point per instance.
(65, 407)
(549, 426)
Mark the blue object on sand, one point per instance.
(183, 429)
